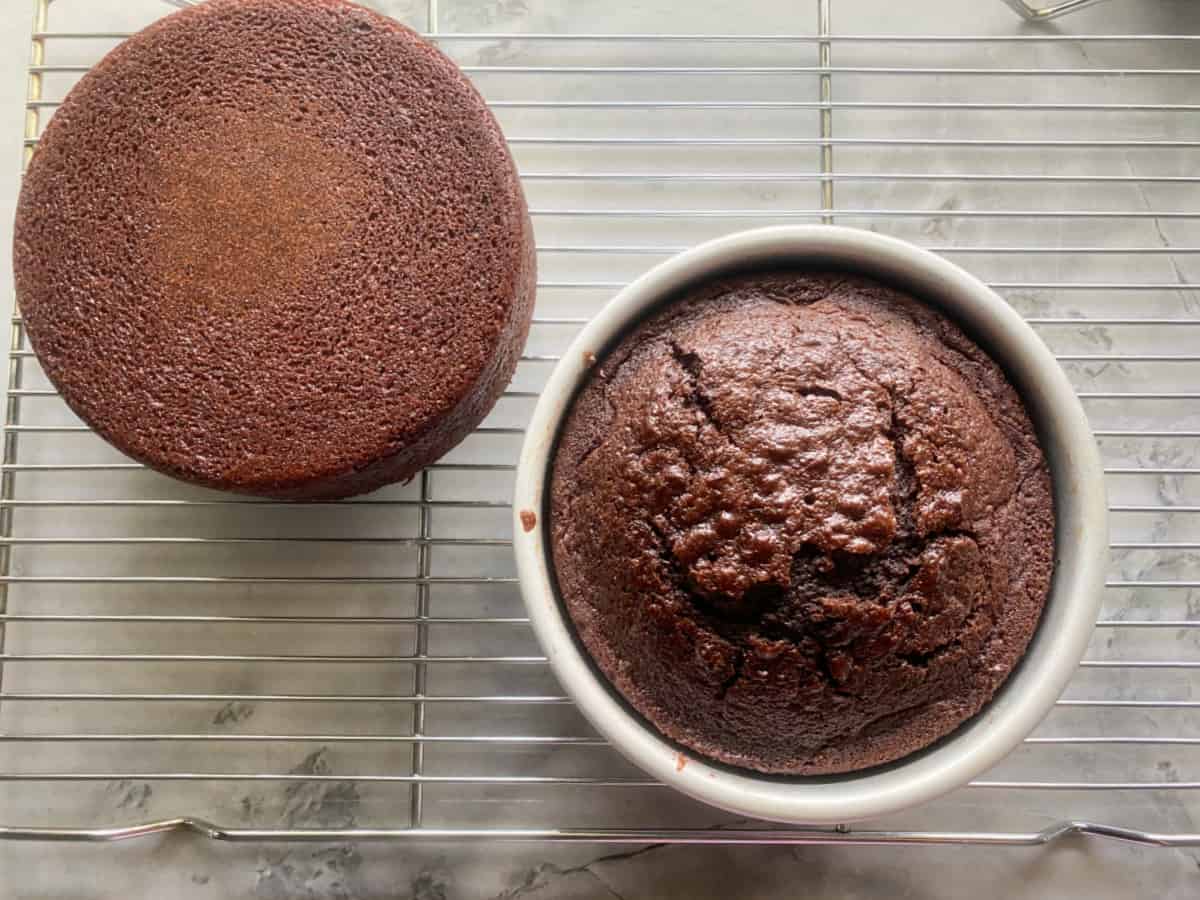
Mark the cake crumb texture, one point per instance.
(277, 247)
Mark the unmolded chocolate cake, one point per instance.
(801, 522)
(277, 247)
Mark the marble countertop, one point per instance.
(188, 867)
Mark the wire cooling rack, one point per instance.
(176, 658)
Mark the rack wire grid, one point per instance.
(180, 659)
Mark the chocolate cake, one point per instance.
(277, 247)
(801, 522)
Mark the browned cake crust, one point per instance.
(277, 247)
(802, 523)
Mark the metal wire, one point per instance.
(725, 71)
(1043, 12)
(99, 558)
(734, 836)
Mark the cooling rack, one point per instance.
(178, 659)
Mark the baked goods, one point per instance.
(277, 247)
(801, 522)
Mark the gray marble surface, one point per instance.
(186, 866)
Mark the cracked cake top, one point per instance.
(801, 522)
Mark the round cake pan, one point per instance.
(1081, 533)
